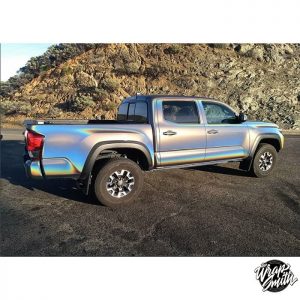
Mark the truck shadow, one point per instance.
(12, 170)
(222, 170)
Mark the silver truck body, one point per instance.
(71, 150)
(67, 147)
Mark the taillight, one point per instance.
(34, 141)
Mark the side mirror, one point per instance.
(242, 117)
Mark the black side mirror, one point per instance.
(242, 117)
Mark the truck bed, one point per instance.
(67, 148)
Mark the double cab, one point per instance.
(108, 158)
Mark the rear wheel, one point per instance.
(118, 182)
(264, 160)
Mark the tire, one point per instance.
(118, 182)
(264, 160)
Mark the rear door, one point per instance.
(181, 136)
(226, 137)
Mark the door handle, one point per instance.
(212, 131)
(169, 132)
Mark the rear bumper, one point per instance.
(59, 167)
(52, 168)
(33, 169)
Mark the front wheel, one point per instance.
(118, 182)
(264, 160)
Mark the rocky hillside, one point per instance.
(261, 80)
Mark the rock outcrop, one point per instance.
(263, 80)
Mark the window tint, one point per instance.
(141, 112)
(136, 112)
(131, 112)
(122, 113)
(218, 113)
(180, 111)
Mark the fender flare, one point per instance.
(99, 147)
(273, 136)
(246, 164)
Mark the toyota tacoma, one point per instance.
(108, 158)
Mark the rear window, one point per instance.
(122, 113)
(133, 112)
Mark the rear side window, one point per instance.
(141, 112)
(131, 112)
(134, 112)
(181, 112)
(122, 113)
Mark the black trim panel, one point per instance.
(99, 147)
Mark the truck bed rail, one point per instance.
(54, 122)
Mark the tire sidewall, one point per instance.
(264, 148)
(101, 179)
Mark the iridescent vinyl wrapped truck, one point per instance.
(108, 158)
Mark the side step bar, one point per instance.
(205, 163)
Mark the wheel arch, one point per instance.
(112, 147)
(272, 139)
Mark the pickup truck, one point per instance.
(108, 158)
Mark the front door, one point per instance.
(181, 132)
(226, 137)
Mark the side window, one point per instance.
(135, 112)
(218, 113)
(122, 113)
(180, 112)
(131, 112)
(141, 112)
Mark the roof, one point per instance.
(140, 97)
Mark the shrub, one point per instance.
(185, 82)
(24, 108)
(173, 49)
(127, 68)
(5, 88)
(38, 97)
(100, 94)
(109, 106)
(94, 92)
(156, 70)
(54, 112)
(131, 68)
(79, 103)
(66, 80)
(110, 84)
(44, 68)
(9, 107)
(219, 45)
